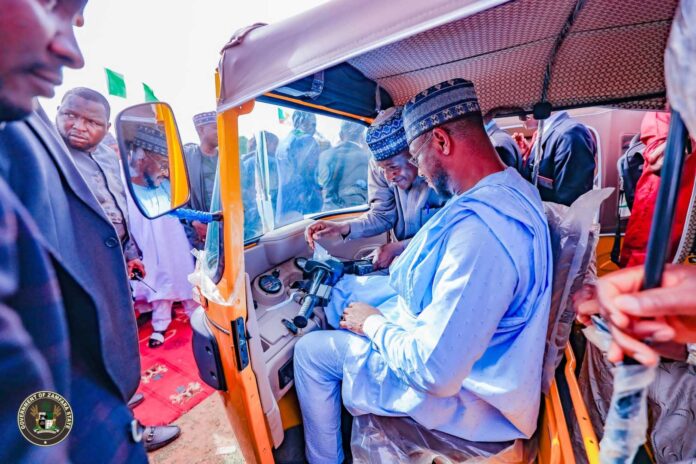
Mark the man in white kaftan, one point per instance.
(163, 242)
(167, 256)
(454, 337)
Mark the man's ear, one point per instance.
(108, 126)
(443, 141)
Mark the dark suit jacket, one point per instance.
(34, 347)
(568, 161)
(105, 363)
(506, 147)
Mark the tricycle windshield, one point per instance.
(296, 164)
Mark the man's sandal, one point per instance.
(156, 339)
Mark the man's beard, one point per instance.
(149, 181)
(441, 182)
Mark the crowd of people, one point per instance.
(303, 173)
(453, 338)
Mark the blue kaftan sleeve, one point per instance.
(473, 288)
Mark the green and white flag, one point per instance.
(149, 93)
(116, 83)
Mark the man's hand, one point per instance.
(663, 314)
(134, 264)
(383, 256)
(586, 304)
(355, 315)
(325, 229)
(521, 141)
(201, 229)
(656, 159)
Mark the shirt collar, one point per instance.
(555, 118)
(552, 122)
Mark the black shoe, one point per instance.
(156, 339)
(158, 436)
(136, 400)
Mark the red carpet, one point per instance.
(169, 378)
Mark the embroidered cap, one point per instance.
(386, 137)
(202, 119)
(151, 139)
(437, 105)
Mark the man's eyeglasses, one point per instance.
(415, 157)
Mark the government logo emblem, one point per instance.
(45, 418)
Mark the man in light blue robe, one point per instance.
(454, 337)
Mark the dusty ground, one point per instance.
(206, 437)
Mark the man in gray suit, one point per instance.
(97, 365)
(400, 200)
(82, 122)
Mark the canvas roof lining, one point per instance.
(638, 39)
(505, 49)
(499, 29)
(326, 36)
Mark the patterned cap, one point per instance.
(386, 137)
(439, 104)
(151, 139)
(201, 119)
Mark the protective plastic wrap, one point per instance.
(627, 421)
(680, 66)
(203, 284)
(377, 439)
(573, 241)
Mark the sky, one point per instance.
(172, 46)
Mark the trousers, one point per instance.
(162, 311)
(319, 358)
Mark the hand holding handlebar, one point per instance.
(662, 314)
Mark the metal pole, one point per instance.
(661, 230)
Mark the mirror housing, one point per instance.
(153, 158)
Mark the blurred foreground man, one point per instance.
(400, 200)
(454, 338)
(87, 350)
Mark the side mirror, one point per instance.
(153, 158)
